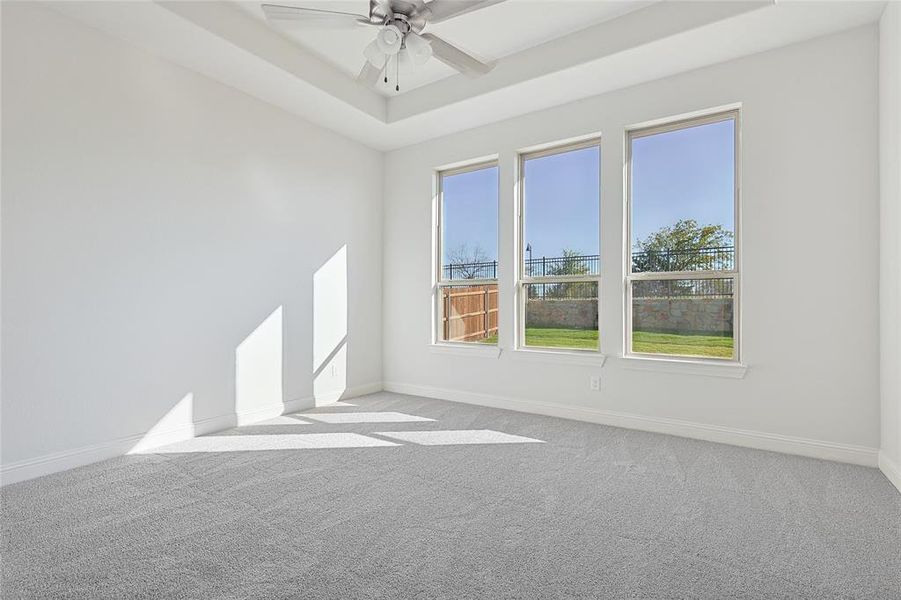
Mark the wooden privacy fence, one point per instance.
(469, 313)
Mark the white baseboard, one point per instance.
(326, 398)
(890, 469)
(847, 453)
(142, 442)
(65, 460)
(211, 425)
(261, 413)
(362, 390)
(154, 439)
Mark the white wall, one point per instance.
(161, 235)
(166, 239)
(890, 237)
(810, 323)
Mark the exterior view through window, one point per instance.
(560, 266)
(467, 255)
(683, 281)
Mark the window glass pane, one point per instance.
(683, 317)
(683, 199)
(562, 315)
(468, 313)
(469, 225)
(561, 197)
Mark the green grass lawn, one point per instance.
(713, 346)
(709, 346)
(552, 337)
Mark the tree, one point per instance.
(684, 246)
(464, 262)
(571, 263)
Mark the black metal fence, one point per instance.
(721, 258)
(474, 270)
(587, 264)
(569, 290)
(546, 266)
(684, 288)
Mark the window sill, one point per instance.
(561, 357)
(731, 370)
(471, 350)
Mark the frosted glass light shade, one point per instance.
(420, 50)
(374, 55)
(389, 39)
(405, 59)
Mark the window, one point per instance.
(559, 232)
(683, 281)
(467, 296)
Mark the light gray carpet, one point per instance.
(565, 510)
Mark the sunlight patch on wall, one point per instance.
(258, 367)
(330, 329)
(177, 424)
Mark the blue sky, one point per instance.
(562, 193)
(683, 174)
(470, 212)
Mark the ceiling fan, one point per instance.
(400, 24)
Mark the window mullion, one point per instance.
(666, 275)
(464, 282)
(561, 279)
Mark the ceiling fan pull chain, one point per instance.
(397, 73)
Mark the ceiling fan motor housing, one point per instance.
(412, 13)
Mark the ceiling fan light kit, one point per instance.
(418, 48)
(400, 24)
(389, 39)
(375, 56)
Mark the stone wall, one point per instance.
(579, 313)
(683, 315)
(667, 315)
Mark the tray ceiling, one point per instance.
(489, 33)
(545, 56)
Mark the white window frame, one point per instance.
(439, 282)
(733, 114)
(522, 279)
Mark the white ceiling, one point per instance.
(544, 56)
(488, 34)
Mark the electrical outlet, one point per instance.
(595, 383)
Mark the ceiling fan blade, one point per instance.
(313, 17)
(456, 58)
(369, 75)
(443, 10)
